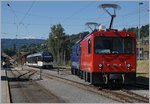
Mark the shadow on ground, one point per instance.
(143, 80)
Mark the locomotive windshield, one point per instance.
(114, 45)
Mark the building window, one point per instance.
(141, 53)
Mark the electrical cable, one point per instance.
(78, 11)
(27, 12)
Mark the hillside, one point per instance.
(9, 43)
(144, 30)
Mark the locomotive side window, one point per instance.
(39, 58)
(89, 46)
(80, 50)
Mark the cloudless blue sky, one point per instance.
(35, 18)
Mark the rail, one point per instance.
(121, 96)
(142, 85)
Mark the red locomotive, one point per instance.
(108, 56)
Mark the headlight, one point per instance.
(128, 65)
(100, 65)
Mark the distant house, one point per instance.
(144, 50)
(5, 59)
(21, 57)
(24, 57)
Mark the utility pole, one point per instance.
(40, 72)
(64, 57)
(139, 51)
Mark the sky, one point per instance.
(34, 19)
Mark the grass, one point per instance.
(143, 66)
(143, 71)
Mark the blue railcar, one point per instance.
(75, 58)
(41, 59)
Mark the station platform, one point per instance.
(5, 94)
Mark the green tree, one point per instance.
(124, 29)
(14, 47)
(144, 30)
(24, 48)
(9, 51)
(56, 42)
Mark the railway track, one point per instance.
(31, 91)
(19, 85)
(142, 85)
(124, 96)
(136, 96)
(138, 84)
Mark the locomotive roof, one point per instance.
(40, 54)
(112, 33)
(77, 42)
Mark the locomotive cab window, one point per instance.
(113, 45)
(89, 46)
(129, 45)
